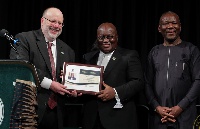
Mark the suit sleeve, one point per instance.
(134, 77)
(23, 52)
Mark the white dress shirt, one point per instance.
(104, 59)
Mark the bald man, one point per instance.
(114, 106)
(33, 47)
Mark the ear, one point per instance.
(42, 19)
(117, 37)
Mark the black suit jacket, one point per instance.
(33, 48)
(124, 73)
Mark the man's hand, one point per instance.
(165, 119)
(59, 88)
(75, 94)
(176, 111)
(72, 93)
(106, 94)
(164, 112)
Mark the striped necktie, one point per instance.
(52, 102)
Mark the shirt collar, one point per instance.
(53, 43)
(106, 54)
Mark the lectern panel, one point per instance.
(10, 72)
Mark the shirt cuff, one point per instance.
(46, 83)
(116, 95)
(118, 104)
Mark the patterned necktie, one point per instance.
(52, 102)
(53, 72)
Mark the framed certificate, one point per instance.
(83, 78)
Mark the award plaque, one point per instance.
(83, 78)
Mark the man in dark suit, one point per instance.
(33, 48)
(113, 107)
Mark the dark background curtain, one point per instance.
(136, 21)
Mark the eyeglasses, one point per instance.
(54, 22)
(109, 37)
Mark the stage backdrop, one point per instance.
(136, 21)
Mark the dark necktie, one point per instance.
(52, 102)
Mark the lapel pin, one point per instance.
(114, 58)
(62, 53)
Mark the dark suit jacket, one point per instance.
(124, 73)
(33, 48)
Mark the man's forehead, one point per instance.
(106, 30)
(168, 18)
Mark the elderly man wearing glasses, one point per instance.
(48, 60)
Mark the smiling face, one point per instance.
(52, 23)
(107, 37)
(170, 27)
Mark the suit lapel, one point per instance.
(42, 46)
(91, 58)
(60, 54)
(115, 58)
(95, 59)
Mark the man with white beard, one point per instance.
(48, 61)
